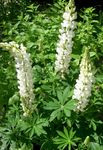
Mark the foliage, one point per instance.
(66, 139)
(54, 123)
(62, 106)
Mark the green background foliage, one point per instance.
(54, 125)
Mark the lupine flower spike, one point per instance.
(24, 75)
(65, 43)
(83, 86)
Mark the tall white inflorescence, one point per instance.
(83, 85)
(24, 75)
(65, 43)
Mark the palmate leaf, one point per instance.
(34, 126)
(62, 106)
(68, 107)
(52, 105)
(55, 106)
(61, 134)
(55, 114)
(60, 109)
(60, 97)
(37, 127)
(40, 123)
(63, 96)
(61, 144)
(66, 139)
(38, 130)
(67, 112)
(66, 132)
(66, 93)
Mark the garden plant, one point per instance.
(51, 82)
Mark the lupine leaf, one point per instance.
(54, 114)
(94, 146)
(66, 93)
(70, 105)
(52, 105)
(60, 96)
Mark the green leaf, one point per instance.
(60, 96)
(32, 132)
(92, 54)
(61, 134)
(23, 125)
(70, 105)
(52, 105)
(65, 139)
(66, 94)
(39, 124)
(94, 146)
(94, 126)
(66, 132)
(62, 146)
(67, 112)
(55, 114)
(39, 130)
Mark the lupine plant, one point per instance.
(54, 98)
(83, 85)
(24, 74)
(64, 46)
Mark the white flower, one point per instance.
(24, 75)
(83, 85)
(65, 43)
(65, 23)
(66, 16)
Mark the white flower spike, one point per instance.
(24, 75)
(83, 85)
(65, 43)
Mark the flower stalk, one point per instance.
(83, 85)
(65, 43)
(24, 75)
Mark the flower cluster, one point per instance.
(64, 46)
(24, 75)
(83, 86)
